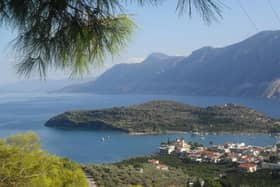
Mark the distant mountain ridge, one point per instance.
(250, 68)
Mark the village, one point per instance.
(247, 158)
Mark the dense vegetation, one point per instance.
(166, 116)
(262, 178)
(181, 173)
(193, 170)
(121, 176)
(23, 163)
(128, 172)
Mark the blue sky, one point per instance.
(160, 29)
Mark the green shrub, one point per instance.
(24, 163)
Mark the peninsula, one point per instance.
(169, 116)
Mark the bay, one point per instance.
(28, 112)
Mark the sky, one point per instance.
(160, 29)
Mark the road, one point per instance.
(90, 180)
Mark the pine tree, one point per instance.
(73, 34)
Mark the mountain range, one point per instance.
(250, 68)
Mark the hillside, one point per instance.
(167, 116)
(126, 172)
(125, 78)
(248, 68)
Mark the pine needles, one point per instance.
(73, 34)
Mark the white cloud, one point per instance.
(134, 60)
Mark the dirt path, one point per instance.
(90, 180)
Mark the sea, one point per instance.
(20, 113)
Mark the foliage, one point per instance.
(181, 173)
(262, 178)
(210, 182)
(194, 145)
(70, 34)
(127, 175)
(168, 116)
(24, 163)
(194, 170)
(208, 9)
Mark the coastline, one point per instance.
(131, 133)
(156, 133)
(202, 133)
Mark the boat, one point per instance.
(202, 137)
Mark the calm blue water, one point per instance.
(21, 113)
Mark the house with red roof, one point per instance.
(153, 161)
(248, 167)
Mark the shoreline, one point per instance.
(201, 133)
(197, 133)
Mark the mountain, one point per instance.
(124, 78)
(168, 116)
(250, 68)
